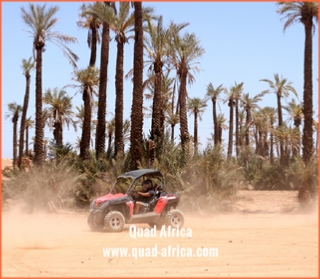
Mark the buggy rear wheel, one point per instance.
(174, 218)
(92, 224)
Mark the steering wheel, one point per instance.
(134, 194)
(138, 188)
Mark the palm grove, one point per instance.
(261, 149)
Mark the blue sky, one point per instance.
(243, 42)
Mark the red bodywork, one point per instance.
(131, 205)
(162, 203)
(108, 197)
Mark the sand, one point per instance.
(265, 236)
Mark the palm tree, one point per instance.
(261, 124)
(213, 94)
(45, 146)
(121, 23)
(196, 107)
(221, 120)
(137, 98)
(306, 13)
(88, 80)
(231, 96)
(93, 24)
(80, 118)
(242, 127)
(282, 88)
(27, 67)
(289, 138)
(316, 129)
(186, 50)
(172, 119)
(295, 111)
(59, 112)
(248, 104)
(80, 115)
(29, 124)
(167, 94)
(157, 46)
(165, 108)
(110, 133)
(41, 21)
(126, 131)
(231, 103)
(103, 11)
(296, 114)
(238, 96)
(270, 113)
(14, 113)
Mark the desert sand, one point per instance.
(265, 236)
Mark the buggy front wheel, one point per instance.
(114, 221)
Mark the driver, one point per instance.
(146, 194)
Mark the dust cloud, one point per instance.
(39, 230)
(265, 235)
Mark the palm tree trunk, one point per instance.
(156, 109)
(109, 143)
(307, 190)
(172, 132)
(215, 123)
(195, 133)
(173, 95)
(137, 99)
(102, 102)
(157, 127)
(279, 110)
(184, 133)
(220, 134)
(256, 140)
(38, 144)
(93, 53)
(119, 144)
(27, 141)
(15, 120)
(307, 138)
(162, 123)
(23, 119)
(296, 151)
(172, 109)
(230, 104)
(260, 144)
(86, 128)
(248, 119)
(265, 145)
(59, 139)
(271, 145)
(57, 132)
(237, 127)
(317, 141)
(241, 135)
(282, 159)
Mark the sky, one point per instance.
(243, 42)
